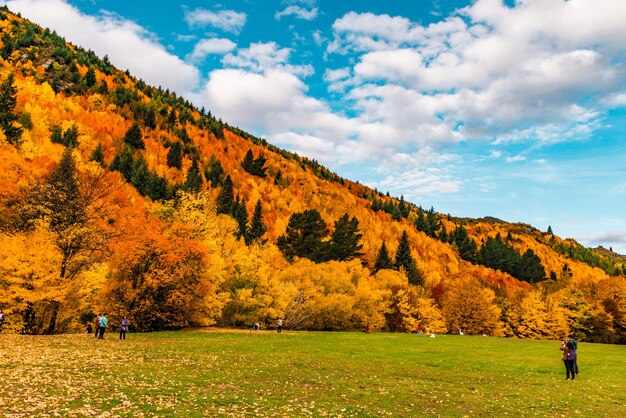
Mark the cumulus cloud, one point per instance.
(226, 20)
(298, 12)
(488, 71)
(260, 57)
(217, 46)
(128, 45)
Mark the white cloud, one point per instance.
(226, 20)
(298, 12)
(515, 159)
(128, 45)
(538, 71)
(260, 57)
(217, 46)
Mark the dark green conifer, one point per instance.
(257, 226)
(97, 155)
(383, 260)
(8, 100)
(344, 241)
(133, 137)
(194, 181)
(406, 262)
(90, 77)
(225, 198)
(175, 156)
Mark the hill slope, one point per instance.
(117, 197)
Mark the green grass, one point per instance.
(228, 373)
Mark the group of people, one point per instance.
(102, 322)
(279, 326)
(569, 348)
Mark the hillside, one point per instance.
(120, 197)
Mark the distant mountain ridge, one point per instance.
(203, 223)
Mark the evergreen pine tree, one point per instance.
(56, 136)
(468, 250)
(225, 198)
(157, 187)
(193, 182)
(214, 171)
(344, 241)
(90, 77)
(175, 156)
(550, 230)
(258, 166)
(141, 176)
(257, 226)
(171, 118)
(133, 137)
(383, 260)
(396, 214)
(97, 155)
(248, 161)
(70, 137)
(404, 260)
(433, 224)
(420, 220)
(8, 100)
(149, 118)
(124, 163)
(303, 237)
(240, 214)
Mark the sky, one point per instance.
(510, 109)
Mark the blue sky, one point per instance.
(478, 108)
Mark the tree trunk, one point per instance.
(53, 317)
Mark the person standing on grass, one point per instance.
(2, 318)
(569, 359)
(104, 322)
(572, 341)
(123, 328)
(98, 325)
(280, 325)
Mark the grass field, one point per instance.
(233, 373)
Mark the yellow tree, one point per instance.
(529, 317)
(470, 306)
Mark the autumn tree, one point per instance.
(8, 117)
(73, 206)
(470, 306)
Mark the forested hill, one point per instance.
(120, 197)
